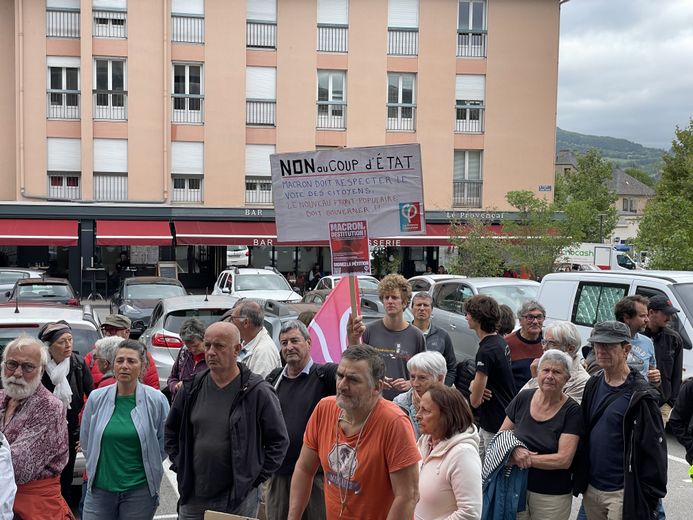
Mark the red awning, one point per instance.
(265, 234)
(133, 233)
(28, 232)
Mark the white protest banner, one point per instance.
(349, 247)
(381, 185)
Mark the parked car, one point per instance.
(448, 305)
(330, 282)
(568, 267)
(46, 290)
(10, 275)
(266, 284)
(585, 298)
(237, 256)
(426, 282)
(137, 296)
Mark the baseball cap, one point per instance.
(610, 332)
(660, 302)
(117, 321)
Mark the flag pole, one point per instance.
(352, 292)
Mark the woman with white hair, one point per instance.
(549, 423)
(425, 368)
(564, 336)
(104, 356)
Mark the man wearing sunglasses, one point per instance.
(525, 342)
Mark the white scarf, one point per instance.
(58, 374)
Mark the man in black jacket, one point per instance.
(225, 433)
(622, 471)
(436, 338)
(681, 420)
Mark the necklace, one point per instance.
(343, 498)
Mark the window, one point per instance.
(595, 302)
(64, 167)
(261, 24)
(401, 103)
(110, 96)
(188, 21)
(187, 171)
(110, 18)
(186, 189)
(258, 183)
(471, 29)
(331, 97)
(333, 25)
(63, 88)
(110, 169)
(403, 27)
(467, 181)
(62, 18)
(469, 103)
(629, 205)
(187, 93)
(260, 95)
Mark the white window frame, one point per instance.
(187, 193)
(465, 177)
(63, 110)
(110, 11)
(470, 15)
(331, 112)
(401, 122)
(468, 190)
(115, 112)
(187, 114)
(64, 191)
(470, 92)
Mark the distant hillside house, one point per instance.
(566, 162)
(632, 198)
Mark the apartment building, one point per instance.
(150, 123)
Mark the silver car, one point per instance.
(161, 337)
(448, 305)
(10, 275)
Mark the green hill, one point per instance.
(621, 152)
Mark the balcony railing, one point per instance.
(110, 186)
(467, 194)
(333, 38)
(401, 117)
(110, 24)
(261, 112)
(469, 119)
(258, 190)
(261, 35)
(331, 115)
(471, 44)
(62, 23)
(110, 104)
(187, 28)
(403, 41)
(187, 189)
(62, 104)
(64, 186)
(187, 108)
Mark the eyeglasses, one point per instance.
(12, 366)
(534, 317)
(549, 343)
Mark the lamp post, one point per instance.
(601, 227)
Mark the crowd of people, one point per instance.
(392, 431)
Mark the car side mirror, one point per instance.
(138, 324)
(7, 293)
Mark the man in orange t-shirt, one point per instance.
(365, 445)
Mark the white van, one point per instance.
(585, 298)
(600, 256)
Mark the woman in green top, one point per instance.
(122, 439)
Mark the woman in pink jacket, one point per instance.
(450, 479)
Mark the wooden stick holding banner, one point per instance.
(352, 292)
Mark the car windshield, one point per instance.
(260, 282)
(174, 320)
(84, 335)
(155, 291)
(684, 293)
(368, 283)
(38, 291)
(8, 277)
(511, 295)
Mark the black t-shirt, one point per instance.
(606, 437)
(212, 438)
(298, 397)
(493, 359)
(542, 437)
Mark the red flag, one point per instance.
(328, 330)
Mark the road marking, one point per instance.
(670, 457)
(173, 480)
(161, 517)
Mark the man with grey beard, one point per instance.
(33, 421)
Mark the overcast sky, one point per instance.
(626, 68)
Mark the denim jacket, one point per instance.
(149, 418)
(504, 487)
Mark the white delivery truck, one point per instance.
(600, 256)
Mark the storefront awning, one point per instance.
(215, 233)
(29, 232)
(133, 233)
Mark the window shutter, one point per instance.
(459, 166)
(403, 13)
(64, 155)
(63, 61)
(111, 155)
(260, 83)
(261, 10)
(187, 157)
(470, 87)
(257, 163)
(333, 12)
(63, 4)
(119, 5)
(474, 165)
(188, 7)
